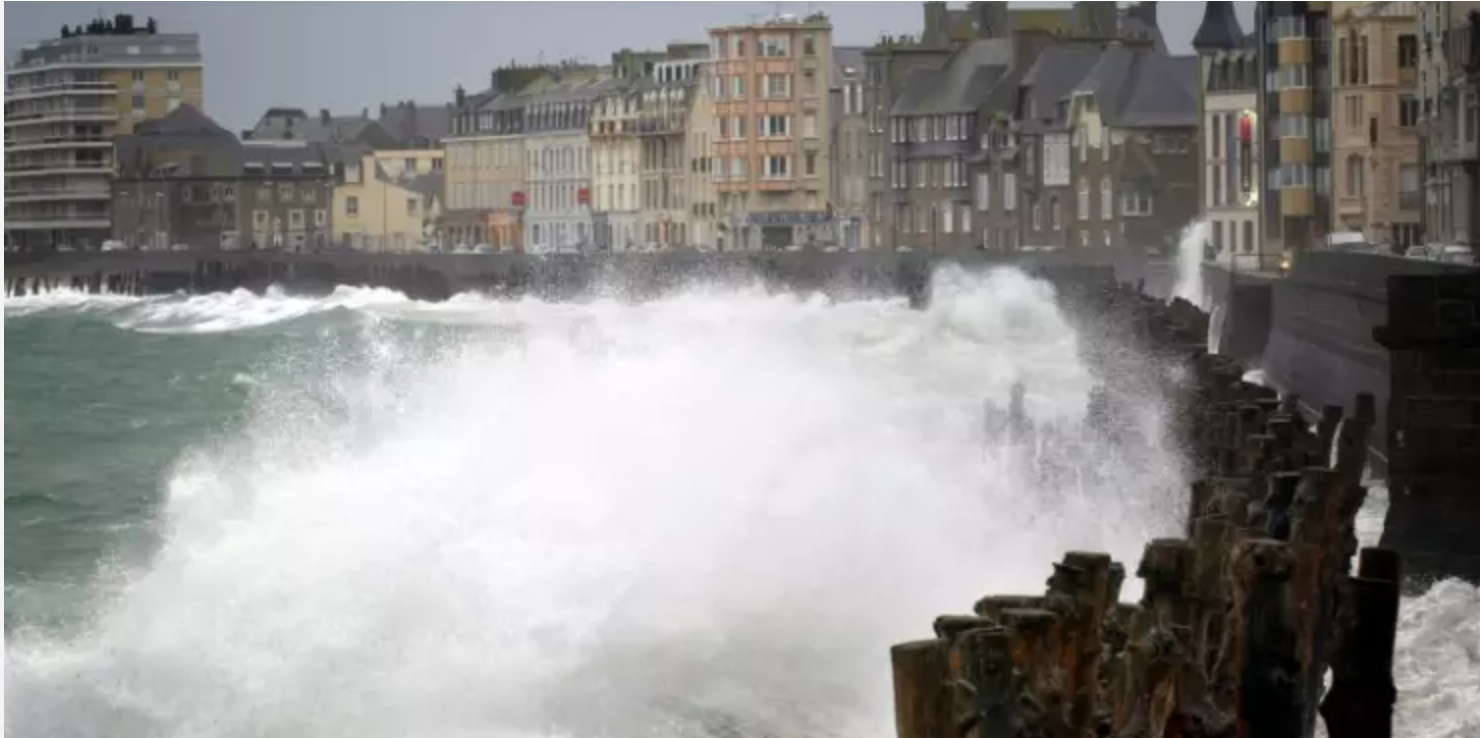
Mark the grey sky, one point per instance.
(349, 55)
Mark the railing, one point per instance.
(79, 87)
(51, 140)
(28, 167)
(99, 113)
(19, 194)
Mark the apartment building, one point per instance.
(183, 179)
(615, 161)
(703, 230)
(65, 100)
(664, 160)
(388, 200)
(485, 188)
(1449, 90)
(1376, 115)
(557, 153)
(1295, 47)
(769, 84)
(1228, 101)
(848, 148)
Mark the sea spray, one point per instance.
(1191, 244)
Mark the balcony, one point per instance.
(62, 115)
(58, 222)
(41, 143)
(53, 194)
(57, 89)
(39, 169)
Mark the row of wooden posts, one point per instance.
(1240, 620)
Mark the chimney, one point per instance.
(459, 97)
(493, 81)
(382, 110)
(991, 19)
(936, 15)
(324, 116)
(364, 113)
(1146, 12)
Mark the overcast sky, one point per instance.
(348, 55)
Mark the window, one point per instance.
(1009, 191)
(947, 222)
(1037, 217)
(1107, 199)
(810, 162)
(778, 167)
(259, 219)
(964, 216)
(351, 205)
(138, 102)
(775, 126)
(775, 45)
(1354, 114)
(1407, 111)
(809, 46)
(412, 205)
(1407, 51)
(295, 218)
(285, 193)
(1083, 199)
(809, 125)
(1354, 175)
(1054, 220)
(983, 191)
(1290, 76)
(1135, 200)
(776, 86)
(737, 86)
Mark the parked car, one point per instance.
(1456, 254)
(1418, 252)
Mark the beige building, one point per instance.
(702, 197)
(664, 162)
(1376, 114)
(65, 101)
(615, 157)
(1228, 104)
(388, 201)
(770, 81)
(1450, 108)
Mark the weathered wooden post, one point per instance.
(1265, 641)
(922, 698)
(1360, 703)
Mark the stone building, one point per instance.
(183, 179)
(1449, 64)
(848, 148)
(665, 162)
(1228, 101)
(1375, 123)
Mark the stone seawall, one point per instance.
(437, 277)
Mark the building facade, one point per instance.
(1449, 90)
(557, 152)
(615, 160)
(485, 187)
(387, 201)
(183, 179)
(769, 84)
(665, 161)
(1295, 49)
(1376, 114)
(65, 101)
(848, 148)
(1228, 101)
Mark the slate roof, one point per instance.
(185, 120)
(1057, 71)
(283, 124)
(409, 122)
(1219, 29)
(1138, 87)
(966, 80)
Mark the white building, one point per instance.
(1228, 68)
(557, 150)
(614, 174)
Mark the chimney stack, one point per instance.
(324, 116)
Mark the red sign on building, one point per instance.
(517, 199)
(583, 196)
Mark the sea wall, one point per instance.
(436, 277)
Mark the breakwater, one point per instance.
(556, 276)
(1403, 331)
(1240, 617)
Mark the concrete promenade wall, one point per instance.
(436, 277)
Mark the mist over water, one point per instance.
(707, 515)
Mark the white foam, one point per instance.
(712, 512)
(1191, 243)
